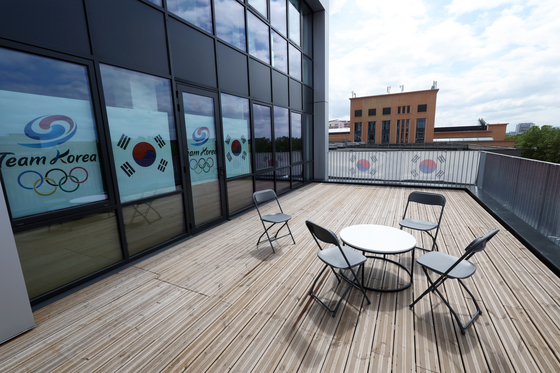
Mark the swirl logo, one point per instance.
(428, 166)
(363, 165)
(144, 154)
(200, 136)
(49, 131)
(236, 147)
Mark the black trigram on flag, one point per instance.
(123, 142)
(162, 164)
(160, 141)
(228, 139)
(244, 155)
(229, 157)
(127, 168)
(243, 139)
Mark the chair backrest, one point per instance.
(479, 243)
(427, 198)
(322, 234)
(264, 196)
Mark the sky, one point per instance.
(493, 59)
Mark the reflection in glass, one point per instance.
(197, 12)
(240, 194)
(308, 136)
(279, 52)
(307, 71)
(297, 155)
(151, 223)
(282, 180)
(307, 30)
(297, 175)
(157, 2)
(260, 6)
(281, 137)
(48, 135)
(278, 15)
(230, 22)
(143, 134)
(237, 135)
(263, 136)
(203, 157)
(293, 14)
(259, 38)
(295, 63)
(264, 181)
(57, 254)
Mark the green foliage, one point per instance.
(541, 143)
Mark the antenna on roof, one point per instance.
(402, 88)
(434, 86)
(388, 89)
(353, 94)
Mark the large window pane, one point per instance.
(278, 15)
(295, 63)
(307, 30)
(260, 6)
(240, 194)
(259, 38)
(279, 52)
(60, 253)
(297, 155)
(307, 71)
(308, 136)
(237, 135)
(230, 22)
(420, 130)
(263, 136)
(197, 12)
(281, 137)
(151, 223)
(48, 138)
(143, 135)
(293, 14)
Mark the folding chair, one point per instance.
(424, 198)
(261, 198)
(448, 266)
(336, 257)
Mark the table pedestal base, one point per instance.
(409, 271)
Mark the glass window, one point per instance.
(371, 132)
(157, 2)
(259, 39)
(398, 129)
(279, 52)
(307, 71)
(197, 12)
(282, 180)
(237, 141)
(422, 108)
(357, 131)
(293, 14)
(357, 113)
(48, 137)
(385, 131)
(263, 136)
(281, 136)
(278, 15)
(307, 30)
(142, 128)
(297, 154)
(308, 136)
(386, 110)
(260, 6)
(57, 254)
(240, 194)
(420, 130)
(372, 112)
(297, 175)
(230, 22)
(295, 63)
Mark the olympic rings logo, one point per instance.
(201, 165)
(52, 182)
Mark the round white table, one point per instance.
(380, 240)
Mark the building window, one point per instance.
(408, 109)
(259, 5)
(357, 113)
(142, 127)
(230, 22)
(385, 131)
(307, 71)
(295, 62)
(49, 150)
(281, 136)
(371, 132)
(196, 12)
(420, 130)
(294, 24)
(295, 138)
(398, 129)
(237, 135)
(358, 132)
(406, 131)
(263, 136)
(399, 111)
(279, 52)
(422, 108)
(278, 15)
(259, 39)
(386, 111)
(371, 112)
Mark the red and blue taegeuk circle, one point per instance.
(236, 147)
(428, 166)
(362, 165)
(144, 154)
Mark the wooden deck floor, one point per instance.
(218, 303)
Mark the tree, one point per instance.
(541, 143)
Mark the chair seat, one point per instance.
(276, 218)
(440, 262)
(419, 225)
(333, 257)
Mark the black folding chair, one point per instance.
(448, 266)
(424, 198)
(274, 218)
(336, 257)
